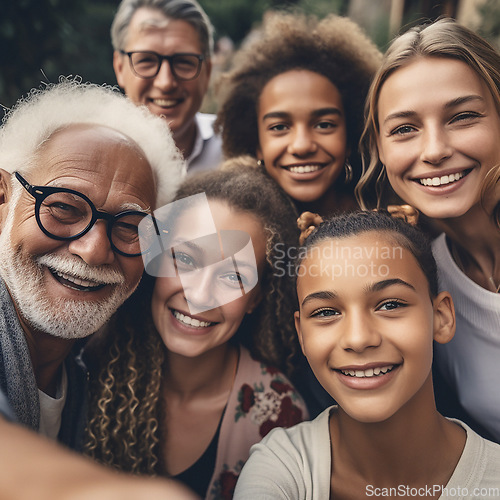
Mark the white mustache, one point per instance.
(99, 274)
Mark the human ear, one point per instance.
(444, 318)
(208, 65)
(296, 317)
(118, 66)
(5, 186)
(5, 194)
(258, 154)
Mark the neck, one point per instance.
(47, 356)
(408, 448)
(337, 199)
(185, 138)
(475, 246)
(209, 373)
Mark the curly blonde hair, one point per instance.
(126, 409)
(334, 47)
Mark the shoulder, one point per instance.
(289, 463)
(479, 464)
(301, 436)
(267, 396)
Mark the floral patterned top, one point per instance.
(262, 398)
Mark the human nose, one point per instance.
(199, 290)
(302, 142)
(358, 333)
(165, 79)
(94, 246)
(435, 146)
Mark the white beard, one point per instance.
(62, 318)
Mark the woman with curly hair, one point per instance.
(189, 369)
(433, 142)
(294, 101)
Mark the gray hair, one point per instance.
(33, 120)
(183, 10)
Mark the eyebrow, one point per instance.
(451, 104)
(316, 113)
(188, 243)
(462, 100)
(380, 285)
(323, 295)
(134, 206)
(374, 287)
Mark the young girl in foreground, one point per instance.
(368, 314)
(435, 143)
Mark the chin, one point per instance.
(370, 415)
(306, 197)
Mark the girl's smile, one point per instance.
(202, 306)
(302, 133)
(367, 331)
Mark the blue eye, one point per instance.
(234, 279)
(184, 260)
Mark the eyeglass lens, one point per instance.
(66, 215)
(147, 64)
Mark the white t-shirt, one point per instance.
(295, 464)
(470, 363)
(51, 408)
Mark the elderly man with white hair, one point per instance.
(80, 168)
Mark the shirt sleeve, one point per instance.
(273, 471)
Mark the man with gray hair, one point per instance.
(162, 60)
(80, 168)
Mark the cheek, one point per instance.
(134, 86)
(163, 290)
(196, 90)
(28, 237)
(235, 311)
(393, 156)
(316, 346)
(133, 268)
(337, 143)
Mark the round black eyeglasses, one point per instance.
(146, 64)
(65, 214)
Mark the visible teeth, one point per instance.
(438, 181)
(371, 372)
(304, 169)
(187, 320)
(166, 103)
(77, 281)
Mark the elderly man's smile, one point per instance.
(75, 282)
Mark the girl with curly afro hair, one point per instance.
(294, 101)
(189, 374)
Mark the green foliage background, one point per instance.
(43, 39)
